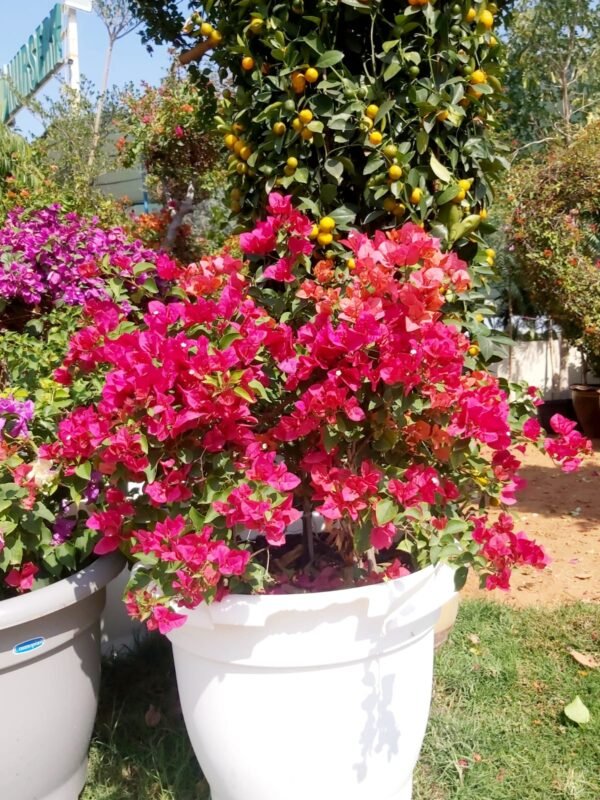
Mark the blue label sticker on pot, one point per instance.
(28, 646)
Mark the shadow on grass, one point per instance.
(140, 749)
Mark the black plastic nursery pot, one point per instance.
(586, 401)
(564, 407)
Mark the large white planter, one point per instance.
(323, 696)
(49, 678)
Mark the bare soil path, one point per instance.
(562, 512)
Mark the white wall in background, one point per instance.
(550, 365)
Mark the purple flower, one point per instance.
(48, 255)
(14, 416)
(92, 490)
(62, 530)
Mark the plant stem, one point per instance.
(307, 529)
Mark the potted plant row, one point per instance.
(316, 444)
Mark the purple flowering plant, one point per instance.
(48, 257)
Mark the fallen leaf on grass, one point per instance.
(473, 638)
(584, 659)
(577, 711)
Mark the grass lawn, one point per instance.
(497, 730)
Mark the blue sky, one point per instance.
(131, 62)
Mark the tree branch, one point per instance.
(185, 207)
(195, 53)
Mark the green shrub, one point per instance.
(556, 234)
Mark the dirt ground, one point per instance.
(562, 512)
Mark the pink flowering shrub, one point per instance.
(270, 388)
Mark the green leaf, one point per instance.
(460, 577)
(384, 109)
(329, 58)
(335, 168)
(259, 389)
(391, 70)
(374, 163)
(42, 511)
(361, 535)
(387, 46)
(301, 175)
(150, 286)
(455, 526)
(422, 142)
(330, 439)
(343, 215)
(439, 170)
(577, 712)
(241, 392)
(84, 470)
(385, 511)
(448, 194)
(143, 266)
(228, 339)
(196, 519)
(339, 123)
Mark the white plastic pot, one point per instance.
(323, 696)
(119, 632)
(49, 678)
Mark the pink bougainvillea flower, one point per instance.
(382, 536)
(164, 619)
(532, 429)
(22, 579)
(290, 381)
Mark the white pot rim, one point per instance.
(62, 594)
(377, 600)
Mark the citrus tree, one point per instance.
(369, 112)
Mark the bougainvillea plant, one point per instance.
(170, 130)
(52, 263)
(355, 398)
(41, 536)
(48, 256)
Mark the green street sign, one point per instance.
(33, 65)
